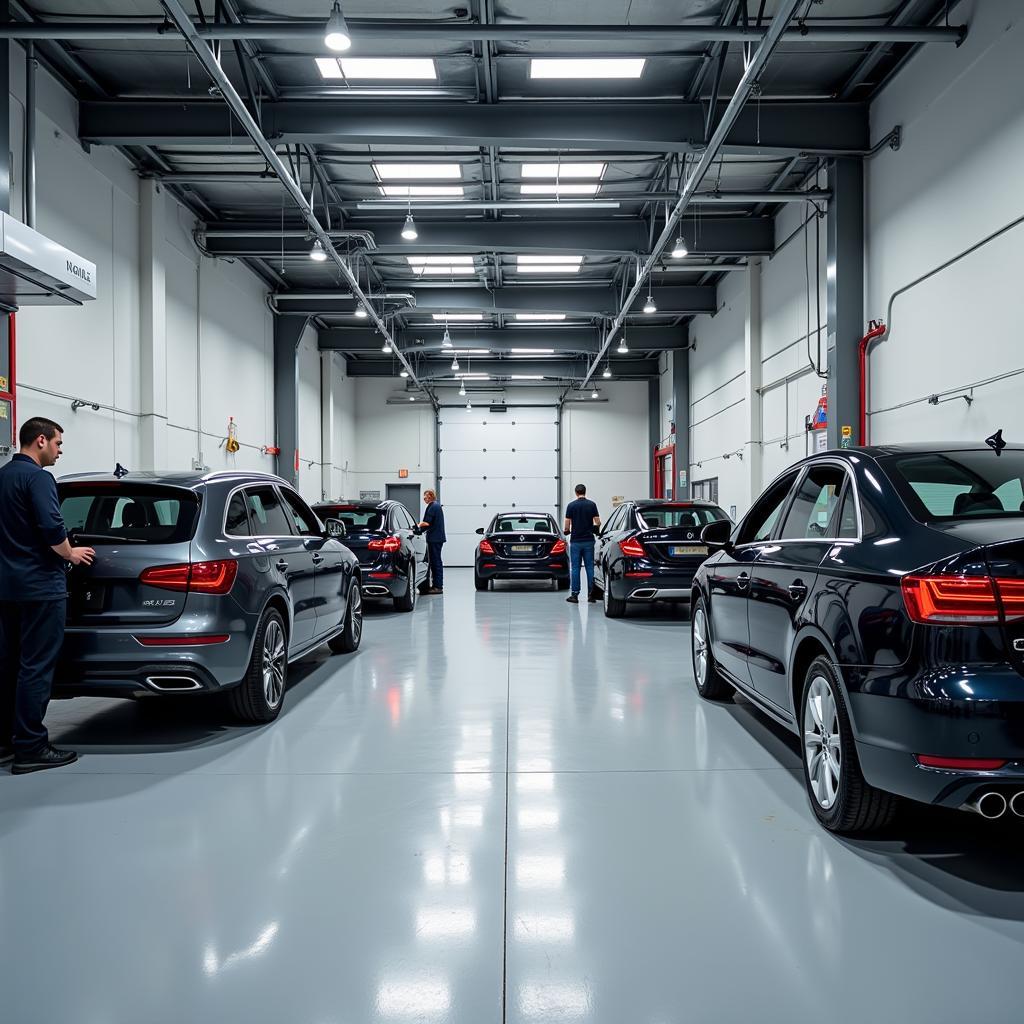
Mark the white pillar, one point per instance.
(752, 366)
(152, 327)
(327, 371)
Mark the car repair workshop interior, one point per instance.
(538, 533)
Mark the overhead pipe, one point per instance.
(365, 236)
(755, 66)
(31, 64)
(241, 111)
(294, 30)
(875, 331)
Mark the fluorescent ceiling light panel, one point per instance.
(329, 67)
(419, 69)
(462, 265)
(445, 317)
(422, 191)
(564, 188)
(539, 316)
(428, 260)
(526, 376)
(560, 170)
(456, 269)
(586, 67)
(547, 268)
(532, 351)
(549, 259)
(417, 172)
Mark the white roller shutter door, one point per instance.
(493, 462)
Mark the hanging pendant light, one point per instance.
(593, 394)
(649, 306)
(455, 362)
(469, 404)
(446, 340)
(361, 311)
(317, 253)
(607, 372)
(387, 347)
(336, 36)
(623, 347)
(462, 389)
(403, 372)
(679, 250)
(409, 232)
(412, 398)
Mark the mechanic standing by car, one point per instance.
(433, 523)
(581, 520)
(33, 596)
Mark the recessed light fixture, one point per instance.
(317, 253)
(563, 170)
(539, 316)
(419, 69)
(418, 172)
(337, 37)
(649, 306)
(587, 67)
(561, 188)
(421, 191)
(409, 232)
(679, 250)
(445, 317)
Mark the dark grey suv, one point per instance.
(201, 583)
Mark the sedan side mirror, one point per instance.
(480, 530)
(335, 528)
(717, 535)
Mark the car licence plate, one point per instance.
(680, 550)
(523, 548)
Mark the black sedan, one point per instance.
(649, 550)
(392, 552)
(521, 546)
(872, 601)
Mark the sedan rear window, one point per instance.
(360, 520)
(959, 485)
(656, 517)
(133, 514)
(517, 524)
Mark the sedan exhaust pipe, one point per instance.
(991, 805)
(173, 684)
(1017, 803)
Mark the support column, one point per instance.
(5, 115)
(287, 334)
(653, 426)
(752, 368)
(327, 372)
(681, 418)
(152, 327)
(845, 294)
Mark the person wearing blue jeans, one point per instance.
(433, 525)
(582, 519)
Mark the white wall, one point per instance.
(955, 180)
(219, 340)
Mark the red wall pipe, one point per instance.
(876, 330)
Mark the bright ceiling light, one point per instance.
(679, 250)
(462, 388)
(455, 362)
(593, 394)
(548, 268)
(386, 347)
(469, 404)
(561, 188)
(587, 67)
(470, 351)
(532, 351)
(549, 259)
(649, 306)
(421, 191)
(442, 271)
(317, 253)
(607, 372)
(474, 376)
(403, 372)
(329, 68)
(412, 398)
(336, 36)
(418, 172)
(539, 316)
(446, 341)
(445, 317)
(526, 376)
(419, 69)
(361, 311)
(623, 347)
(442, 265)
(409, 232)
(560, 170)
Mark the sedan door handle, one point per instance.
(798, 590)
(317, 559)
(282, 564)
(743, 580)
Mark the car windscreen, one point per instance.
(128, 513)
(953, 486)
(368, 519)
(660, 517)
(521, 524)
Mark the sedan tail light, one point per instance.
(632, 548)
(962, 600)
(559, 548)
(961, 764)
(388, 544)
(486, 547)
(216, 577)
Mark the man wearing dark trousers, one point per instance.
(33, 597)
(433, 523)
(581, 520)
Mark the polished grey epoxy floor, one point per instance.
(502, 808)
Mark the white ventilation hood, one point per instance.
(36, 271)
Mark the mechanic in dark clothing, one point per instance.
(33, 597)
(433, 523)
(581, 520)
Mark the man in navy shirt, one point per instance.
(34, 547)
(433, 523)
(581, 520)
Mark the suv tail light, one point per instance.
(388, 544)
(204, 577)
(486, 547)
(558, 548)
(962, 600)
(632, 548)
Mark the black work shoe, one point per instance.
(592, 598)
(48, 757)
(435, 590)
(573, 599)
(6, 755)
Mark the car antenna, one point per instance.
(996, 442)
(120, 471)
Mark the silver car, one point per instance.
(202, 583)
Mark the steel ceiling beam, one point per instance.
(820, 127)
(721, 236)
(573, 301)
(310, 30)
(498, 368)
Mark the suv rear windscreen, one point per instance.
(959, 485)
(128, 513)
(660, 517)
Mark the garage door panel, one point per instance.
(508, 464)
(495, 491)
(532, 437)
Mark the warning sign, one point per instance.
(846, 441)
